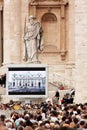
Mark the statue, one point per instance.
(33, 40)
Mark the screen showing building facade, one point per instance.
(27, 81)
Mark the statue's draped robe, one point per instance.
(34, 41)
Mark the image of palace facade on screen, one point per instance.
(29, 81)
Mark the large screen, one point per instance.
(27, 81)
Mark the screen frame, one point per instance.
(37, 66)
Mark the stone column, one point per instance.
(81, 51)
(62, 33)
(12, 31)
(0, 40)
(1, 37)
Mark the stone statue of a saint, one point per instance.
(33, 40)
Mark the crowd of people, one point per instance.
(46, 115)
(68, 97)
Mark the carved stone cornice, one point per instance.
(64, 1)
(48, 2)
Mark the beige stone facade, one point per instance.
(64, 24)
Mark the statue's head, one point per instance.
(31, 17)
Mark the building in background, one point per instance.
(64, 24)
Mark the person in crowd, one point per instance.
(3, 80)
(55, 98)
(72, 92)
(2, 122)
(67, 99)
(81, 125)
